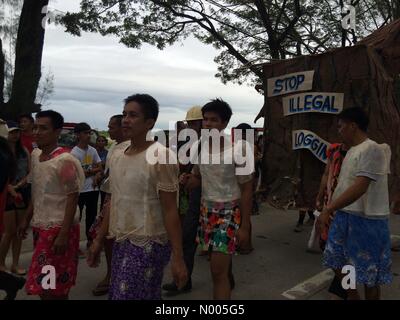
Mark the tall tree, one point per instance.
(28, 61)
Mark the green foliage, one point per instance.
(245, 32)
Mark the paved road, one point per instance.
(278, 265)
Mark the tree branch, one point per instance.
(211, 29)
(292, 23)
(280, 15)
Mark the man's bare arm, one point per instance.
(61, 242)
(173, 227)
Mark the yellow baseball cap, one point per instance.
(194, 113)
(3, 129)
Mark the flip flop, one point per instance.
(18, 272)
(245, 251)
(101, 289)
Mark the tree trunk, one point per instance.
(292, 177)
(28, 61)
(2, 76)
(396, 9)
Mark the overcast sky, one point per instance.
(93, 74)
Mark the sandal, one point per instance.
(101, 289)
(245, 251)
(18, 271)
(395, 248)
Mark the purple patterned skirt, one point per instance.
(137, 272)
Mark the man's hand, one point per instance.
(98, 178)
(93, 254)
(60, 244)
(243, 237)
(11, 190)
(179, 271)
(395, 207)
(89, 173)
(319, 204)
(323, 220)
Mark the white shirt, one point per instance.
(88, 158)
(52, 181)
(135, 211)
(221, 181)
(372, 160)
(105, 186)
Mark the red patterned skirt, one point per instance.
(65, 265)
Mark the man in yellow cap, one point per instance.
(3, 129)
(194, 119)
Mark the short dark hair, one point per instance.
(220, 107)
(356, 115)
(149, 105)
(56, 118)
(118, 118)
(101, 137)
(244, 126)
(81, 127)
(27, 116)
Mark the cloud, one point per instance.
(93, 74)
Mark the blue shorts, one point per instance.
(363, 243)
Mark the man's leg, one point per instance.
(81, 204)
(300, 221)
(10, 229)
(189, 232)
(219, 264)
(108, 245)
(102, 199)
(16, 246)
(372, 293)
(103, 286)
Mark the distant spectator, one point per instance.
(90, 162)
(26, 124)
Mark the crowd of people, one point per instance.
(152, 213)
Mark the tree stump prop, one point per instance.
(366, 73)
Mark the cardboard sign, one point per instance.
(304, 139)
(292, 82)
(324, 102)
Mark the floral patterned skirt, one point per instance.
(137, 272)
(363, 243)
(219, 222)
(65, 265)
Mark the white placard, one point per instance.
(323, 102)
(292, 82)
(304, 139)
